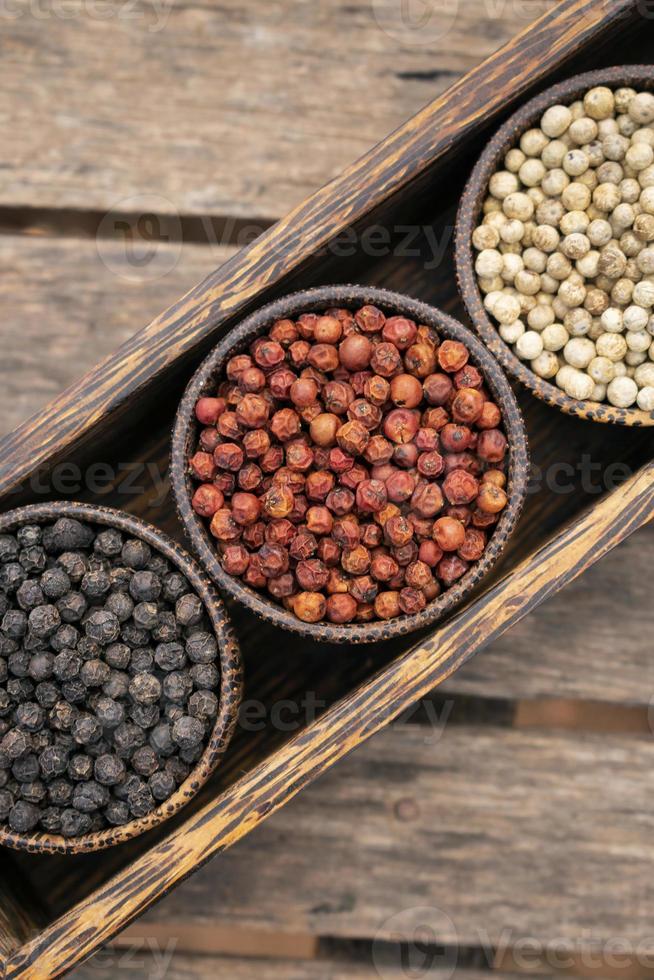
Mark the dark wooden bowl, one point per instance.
(229, 664)
(204, 382)
(470, 211)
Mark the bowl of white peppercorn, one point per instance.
(120, 678)
(555, 245)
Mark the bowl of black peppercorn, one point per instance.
(120, 678)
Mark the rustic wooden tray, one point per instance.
(387, 221)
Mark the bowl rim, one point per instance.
(469, 211)
(203, 382)
(229, 662)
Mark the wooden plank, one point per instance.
(109, 964)
(504, 835)
(219, 108)
(592, 641)
(261, 792)
(66, 303)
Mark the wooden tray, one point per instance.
(386, 221)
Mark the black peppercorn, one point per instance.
(12, 576)
(109, 770)
(108, 544)
(145, 715)
(75, 824)
(72, 607)
(74, 564)
(201, 648)
(67, 665)
(53, 762)
(55, 583)
(161, 739)
(109, 713)
(29, 535)
(33, 559)
(146, 615)
(66, 638)
(189, 610)
(44, 621)
(127, 739)
(41, 665)
(204, 676)
(136, 554)
(120, 604)
(15, 744)
(8, 548)
(14, 624)
(30, 716)
(46, 694)
(23, 817)
(80, 767)
(166, 629)
(145, 587)
(102, 627)
(203, 705)
(162, 785)
(116, 812)
(94, 673)
(26, 769)
(177, 686)
(145, 761)
(34, 792)
(174, 587)
(86, 729)
(140, 801)
(50, 820)
(95, 584)
(68, 534)
(170, 656)
(188, 732)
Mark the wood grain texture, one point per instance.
(591, 641)
(500, 829)
(265, 138)
(67, 302)
(409, 153)
(145, 966)
(261, 792)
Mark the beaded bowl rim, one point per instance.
(228, 661)
(469, 212)
(204, 381)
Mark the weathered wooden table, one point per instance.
(515, 804)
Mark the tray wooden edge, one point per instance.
(393, 164)
(343, 727)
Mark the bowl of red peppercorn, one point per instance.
(349, 463)
(120, 678)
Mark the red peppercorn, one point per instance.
(399, 331)
(338, 582)
(339, 461)
(492, 499)
(420, 360)
(460, 487)
(353, 477)
(353, 437)
(340, 501)
(298, 353)
(452, 355)
(473, 545)
(401, 425)
(303, 545)
(278, 501)
(431, 465)
(319, 520)
(461, 514)
(256, 443)
(483, 518)
(329, 552)
(253, 575)
(406, 455)
(319, 484)
(387, 605)
(449, 534)
(228, 456)
(312, 575)
(299, 457)
(494, 476)
(207, 410)
(430, 553)
(272, 459)
(364, 412)
(209, 439)
(490, 416)
(371, 535)
(371, 496)
(273, 560)
(386, 360)
(282, 586)
(252, 380)
(280, 532)
(378, 450)
(323, 357)
(310, 607)
(398, 530)
(280, 383)
(383, 568)
(461, 461)
(268, 354)
(427, 500)
(284, 332)
(492, 445)
(346, 531)
(355, 352)
(406, 391)
(228, 426)
(455, 438)
(236, 365)
(435, 418)
(252, 411)
(418, 575)
(356, 561)
(450, 569)
(223, 526)
(437, 389)
(422, 526)
(207, 499)
(246, 508)
(254, 535)
(203, 467)
(427, 440)
(377, 390)
(404, 554)
(363, 588)
(467, 405)
(235, 559)
(341, 608)
(337, 396)
(412, 601)
(285, 424)
(400, 486)
(468, 377)
(369, 319)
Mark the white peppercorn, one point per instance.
(622, 392)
